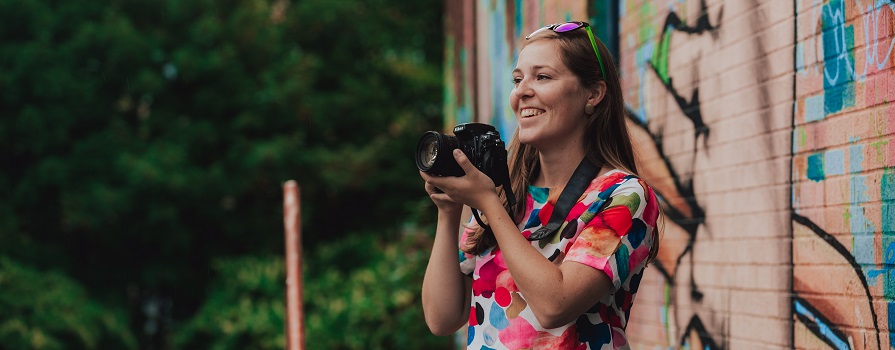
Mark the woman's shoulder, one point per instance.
(616, 181)
(619, 187)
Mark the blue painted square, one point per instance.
(834, 162)
(858, 191)
(816, 167)
(856, 158)
(864, 250)
(814, 108)
(857, 222)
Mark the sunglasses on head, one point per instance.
(568, 27)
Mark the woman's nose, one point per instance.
(522, 89)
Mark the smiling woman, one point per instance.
(559, 269)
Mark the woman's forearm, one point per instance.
(446, 291)
(554, 298)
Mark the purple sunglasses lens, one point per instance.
(565, 27)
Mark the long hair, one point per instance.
(608, 141)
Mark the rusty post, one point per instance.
(294, 310)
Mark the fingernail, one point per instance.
(457, 152)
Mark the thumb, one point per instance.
(463, 161)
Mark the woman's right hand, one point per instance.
(442, 201)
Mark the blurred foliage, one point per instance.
(53, 312)
(245, 307)
(141, 140)
(372, 305)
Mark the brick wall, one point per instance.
(767, 127)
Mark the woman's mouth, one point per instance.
(530, 112)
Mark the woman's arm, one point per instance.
(446, 291)
(557, 294)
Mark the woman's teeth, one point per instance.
(530, 112)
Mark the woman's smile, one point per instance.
(530, 112)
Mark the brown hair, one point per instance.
(610, 143)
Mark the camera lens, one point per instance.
(427, 152)
(433, 154)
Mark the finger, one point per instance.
(463, 161)
(441, 197)
(430, 188)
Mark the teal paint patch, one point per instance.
(887, 185)
(891, 307)
(838, 43)
(856, 159)
(834, 162)
(816, 167)
(886, 270)
(888, 218)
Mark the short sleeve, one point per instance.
(617, 240)
(467, 261)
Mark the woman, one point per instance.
(574, 287)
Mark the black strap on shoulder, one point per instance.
(581, 178)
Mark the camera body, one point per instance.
(480, 142)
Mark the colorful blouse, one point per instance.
(615, 239)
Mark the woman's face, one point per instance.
(548, 99)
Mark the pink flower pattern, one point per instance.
(611, 229)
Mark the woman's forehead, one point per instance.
(541, 53)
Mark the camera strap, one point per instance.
(503, 173)
(581, 178)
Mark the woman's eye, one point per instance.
(517, 80)
(543, 76)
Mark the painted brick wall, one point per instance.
(767, 127)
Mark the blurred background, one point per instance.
(144, 145)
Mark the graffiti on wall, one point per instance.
(767, 128)
(842, 175)
(708, 127)
(841, 202)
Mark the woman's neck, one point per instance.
(557, 166)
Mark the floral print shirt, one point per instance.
(610, 228)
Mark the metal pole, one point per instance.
(294, 311)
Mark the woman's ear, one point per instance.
(597, 92)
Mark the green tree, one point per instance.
(360, 292)
(142, 139)
(54, 312)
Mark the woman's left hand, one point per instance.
(472, 189)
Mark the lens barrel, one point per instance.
(434, 154)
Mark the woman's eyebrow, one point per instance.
(535, 67)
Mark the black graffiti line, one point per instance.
(691, 109)
(685, 190)
(813, 325)
(702, 22)
(848, 257)
(689, 224)
(696, 324)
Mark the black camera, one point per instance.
(480, 142)
(482, 145)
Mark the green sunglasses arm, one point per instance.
(593, 43)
